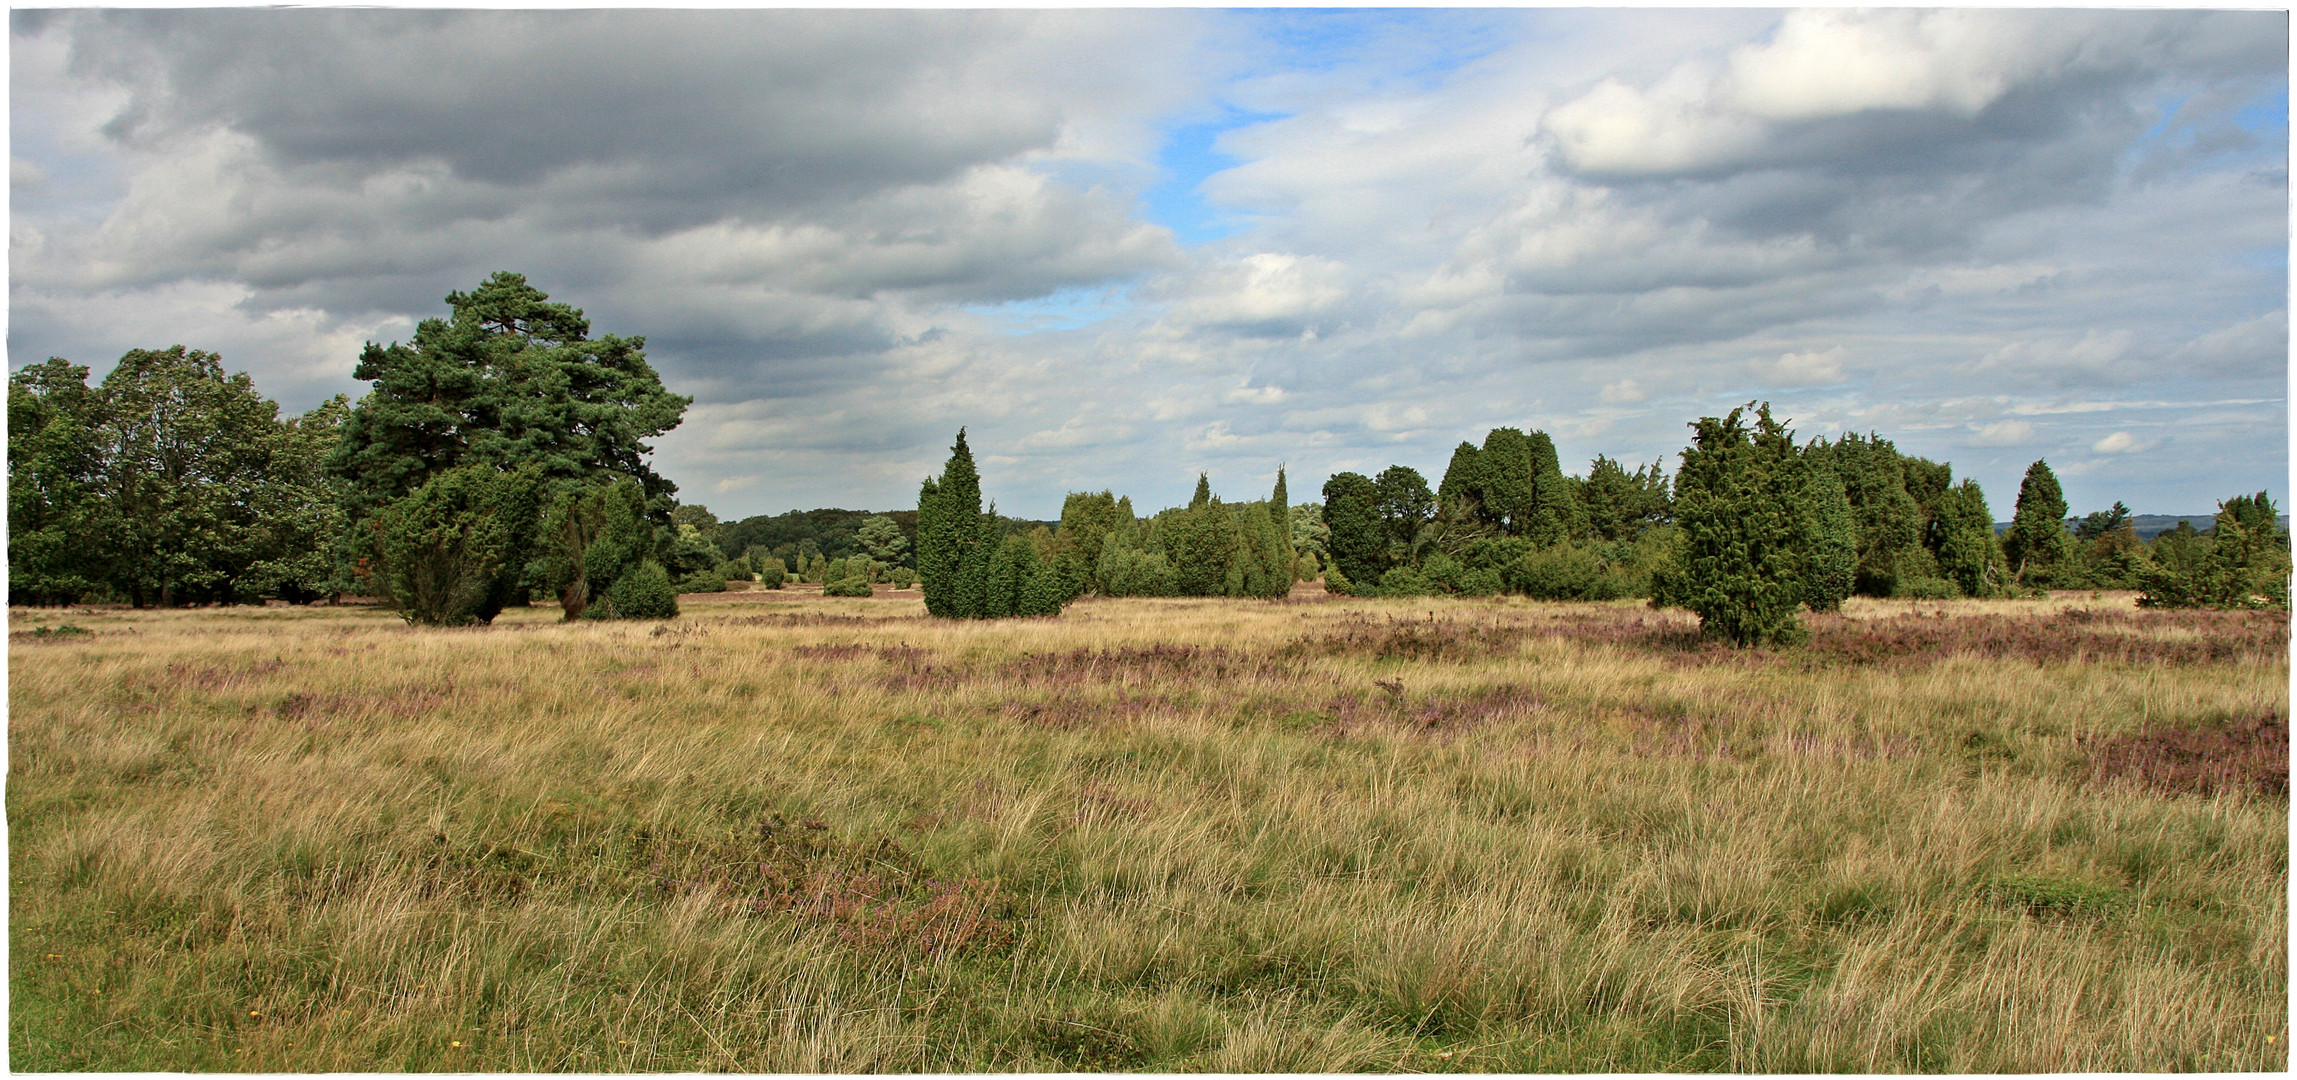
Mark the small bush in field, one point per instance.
(852, 586)
(2055, 896)
(702, 581)
(65, 632)
(644, 593)
(1405, 581)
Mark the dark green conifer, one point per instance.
(1739, 562)
(1830, 539)
(2036, 544)
(1460, 494)
(1358, 541)
(948, 516)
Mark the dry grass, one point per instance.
(785, 833)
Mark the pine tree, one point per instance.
(2036, 544)
(1203, 494)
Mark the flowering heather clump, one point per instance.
(2075, 636)
(1063, 713)
(800, 618)
(1430, 638)
(2248, 755)
(1135, 664)
(2141, 638)
(1391, 710)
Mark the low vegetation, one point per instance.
(793, 833)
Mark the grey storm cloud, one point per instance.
(1994, 235)
(692, 114)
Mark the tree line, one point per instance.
(1753, 528)
(499, 459)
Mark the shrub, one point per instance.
(1405, 581)
(1484, 582)
(1128, 571)
(1337, 583)
(2246, 563)
(702, 581)
(1442, 571)
(439, 553)
(904, 577)
(771, 573)
(848, 586)
(642, 593)
(1043, 591)
(1562, 572)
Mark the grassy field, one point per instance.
(783, 833)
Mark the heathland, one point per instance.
(790, 833)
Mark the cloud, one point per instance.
(1830, 80)
(1623, 392)
(2094, 359)
(1264, 293)
(1817, 367)
(2252, 348)
(2121, 442)
(2002, 433)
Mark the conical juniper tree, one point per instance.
(1968, 553)
(1740, 559)
(1459, 495)
(1874, 475)
(968, 567)
(1830, 541)
(1357, 539)
(948, 528)
(2037, 545)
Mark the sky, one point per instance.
(1121, 247)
